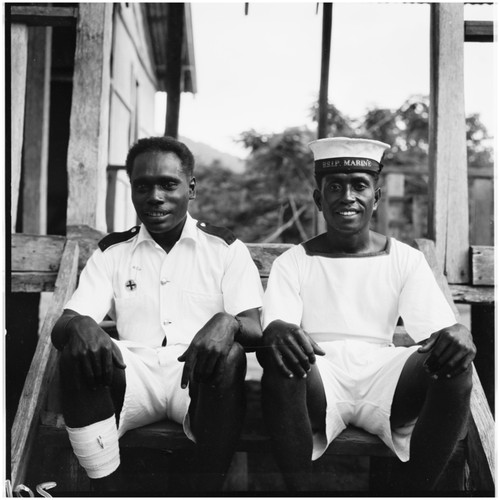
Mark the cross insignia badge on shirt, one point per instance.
(131, 285)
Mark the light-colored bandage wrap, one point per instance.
(96, 447)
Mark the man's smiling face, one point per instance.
(161, 191)
(347, 201)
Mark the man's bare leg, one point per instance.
(293, 409)
(83, 406)
(217, 414)
(442, 407)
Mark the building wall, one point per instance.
(133, 88)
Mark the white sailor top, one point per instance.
(360, 297)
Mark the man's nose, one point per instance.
(348, 194)
(155, 195)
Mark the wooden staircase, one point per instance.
(39, 423)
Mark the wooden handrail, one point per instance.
(42, 368)
(481, 427)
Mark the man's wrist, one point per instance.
(239, 329)
(61, 339)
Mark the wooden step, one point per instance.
(168, 435)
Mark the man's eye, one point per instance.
(168, 186)
(334, 187)
(360, 186)
(141, 187)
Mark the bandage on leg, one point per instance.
(96, 447)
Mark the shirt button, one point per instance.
(164, 281)
(166, 322)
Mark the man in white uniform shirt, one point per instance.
(186, 299)
(330, 310)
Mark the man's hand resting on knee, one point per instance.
(93, 351)
(451, 351)
(205, 357)
(291, 347)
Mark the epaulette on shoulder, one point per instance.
(114, 238)
(221, 232)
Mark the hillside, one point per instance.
(205, 154)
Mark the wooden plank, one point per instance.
(32, 282)
(36, 131)
(87, 148)
(481, 440)
(448, 215)
(465, 294)
(169, 435)
(478, 31)
(36, 253)
(41, 369)
(482, 209)
(264, 255)
(43, 16)
(35, 261)
(18, 58)
(483, 265)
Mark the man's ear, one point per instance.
(378, 195)
(192, 188)
(317, 199)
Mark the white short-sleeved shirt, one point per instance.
(152, 295)
(357, 297)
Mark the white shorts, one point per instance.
(360, 379)
(153, 390)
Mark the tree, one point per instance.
(272, 199)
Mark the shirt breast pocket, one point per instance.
(198, 308)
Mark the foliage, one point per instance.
(272, 199)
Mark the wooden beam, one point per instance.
(36, 253)
(41, 369)
(483, 265)
(326, 39)
(473, 295)
(43, 16)
(18, 68)
(175, 38)
(35, 261)
(481, 205)
(88, 141)
(36, 131)
(481, 440)
(448, 214)
(479, 31)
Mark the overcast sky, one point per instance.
(262, 70)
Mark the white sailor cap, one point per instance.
(344, 154)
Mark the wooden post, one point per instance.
(325, 70)
(481, 205)
(326, 39)
(88, 141)
(448, 214)
(18, 57)
(175, 38)
(36, 131)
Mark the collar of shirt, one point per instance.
(189, 232)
